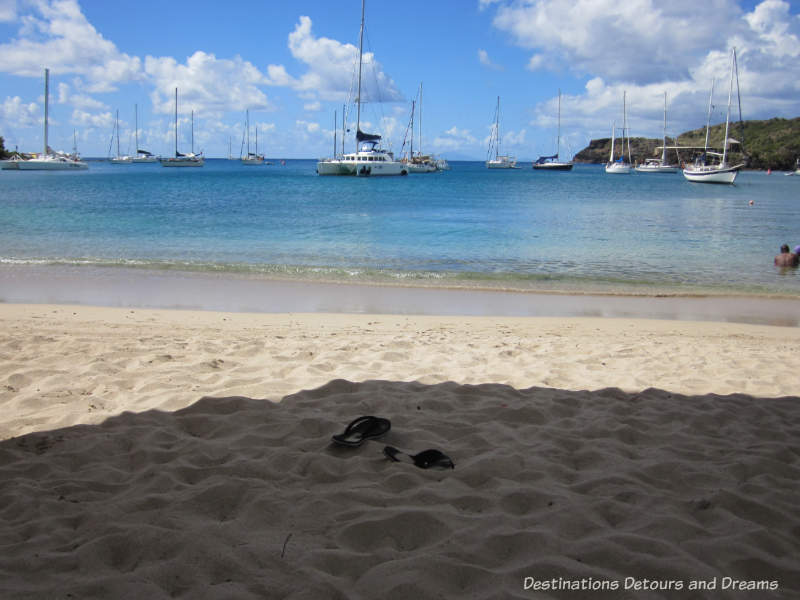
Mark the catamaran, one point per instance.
(619, 166)
(49, 160)
(369, 158)
(659, 165)
(552, 163)
(722, 172)
(500, 161)
(183, 160)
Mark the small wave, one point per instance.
(453, 279)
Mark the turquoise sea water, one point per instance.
(521, 229)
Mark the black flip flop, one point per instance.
(363, 428)
(424, 460)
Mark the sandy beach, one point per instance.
(171, 453)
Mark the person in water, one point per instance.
(786, 258)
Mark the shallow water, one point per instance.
(520, 229)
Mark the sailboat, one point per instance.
(183, 160)
(119, 159)
(142, 156)
(251, 158)
(619, 166)
(419, 162)
(49, 160)
(500, 161)
(722, 172)
(659, 165)
(552, 163)
(369, 158)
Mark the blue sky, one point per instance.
(291, 65)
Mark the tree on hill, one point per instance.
(3, 153)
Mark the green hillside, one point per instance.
(772, 144)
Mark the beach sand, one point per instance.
(159, 454)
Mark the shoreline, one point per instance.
(241, 293)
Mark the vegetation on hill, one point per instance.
(3, 153)
(771, 144)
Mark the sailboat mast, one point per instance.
(360, 53)
(664, 140)
(335, 124)
(117, 124)
(46, 105)
(344, 127)
(613, 134)
(420, 118)
(497, 129)
(625, 135)
(411, 151)
(558, 136)
(708, 120)
(728, 115)
(176, 122)
(192, 131)
(247, 125)
(136, 130)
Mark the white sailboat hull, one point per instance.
(51, 163)
(145, 159)
(253, 161)
(712, 174)
(656, 169)
(618, 168)
(122, 160)
(501, 162)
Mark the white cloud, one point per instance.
(647, 48)
(8, 10)
(89, 120)
(307, 126)
(638, 41)
(312, 106)
(483, 58)
(331, 69)
(205, 83)
(57, 34)
(21, 114)
(454, 139)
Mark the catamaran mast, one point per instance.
(247, 121)
(360, 52)
(117, 124)
(192, 131)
